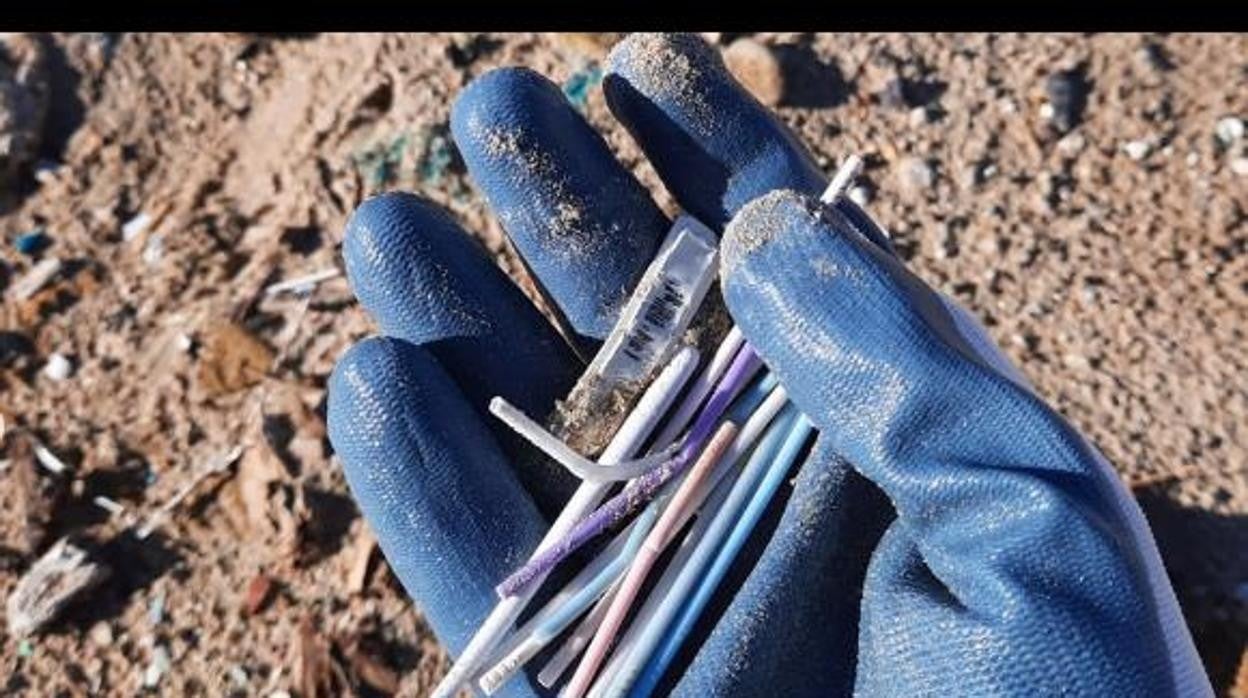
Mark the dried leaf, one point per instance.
(232, 359)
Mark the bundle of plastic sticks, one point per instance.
(721, 438)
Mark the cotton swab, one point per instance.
(764, 419)
(702, 385)
(643, 488)
(742, 527)
(574, 598)
(646, 558)
(678, 372)
(746, 406)
(571, 649)
(649, 636)
(570, 609)
(630, 437)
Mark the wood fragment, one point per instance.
(56, 579)
(259, 593)
(361, 562)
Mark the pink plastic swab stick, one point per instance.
(651, 549)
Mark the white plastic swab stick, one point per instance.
(842, 179)
(751, 432)
(682, 365)
(579, 639)
(630, 437)
(701, 386)
(510, 649)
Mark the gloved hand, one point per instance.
(949, 534)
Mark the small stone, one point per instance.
(1240, 166)
(916, 174)
(154, 250)
(918, 117)
(1068, 95)
(259, 591)
(1229, 130)
(135, 226)
(860, 195)
(58, 367)
(757, 68)
(239, 676)
(156, 610)
(101, 634)
(158, 667)
(1071, 144)
(1138, 149)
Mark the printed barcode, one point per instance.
(656, 319)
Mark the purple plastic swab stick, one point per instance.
(643, 488)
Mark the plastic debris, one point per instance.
(58, 368)
(32, 243)
(1228, 130)
(1138, 149)
(1068, 96)
(135, 226)
(156, 609)
(436, 157)
(35, 279)
(212, 467)
(154, 250)
(56, 579)
(25, 649)
(49, 459)
(381, 162)
(757, 68)
(581, 83)
(112, 506)
(303, 284)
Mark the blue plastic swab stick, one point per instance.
(789, 452)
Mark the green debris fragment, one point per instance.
(381, 163)
(581, 83)
(25, 649)
(436, 158)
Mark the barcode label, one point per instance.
(662, 305)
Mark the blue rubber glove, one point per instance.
(977, 545)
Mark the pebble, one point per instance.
(916, 174)
(1068, 95)
(918, 117)
(135, 226)
(158, 667)
(1229, 130)
(154, 250)
(101, 634)
(757, 68)
(156, 610)
(860, 195)
(1240, 166)
(58, 368)
(1137, 150)
(1071, 144)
